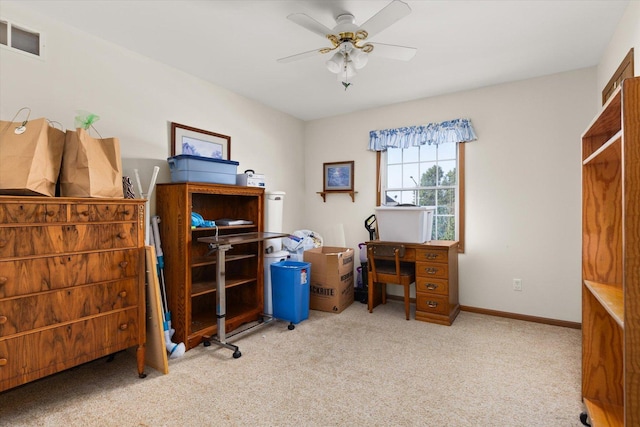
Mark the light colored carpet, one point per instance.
(348, 369)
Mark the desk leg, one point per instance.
(221, 304)
(375, 293)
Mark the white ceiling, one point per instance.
(461, 44)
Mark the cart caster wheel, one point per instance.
(236, 354)
(142, 375)
(291, 326)
(206, 343)
(584, 419)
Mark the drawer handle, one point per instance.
(85, 213)
(3, 361)
(431, 270)
(51, 213)
(123, 264)
(3, 280)
(3, 243)
(125, 212)
(432, 286)
(122, 294)
(124, 326)
(431, 256)
(432, 304)
(3, 320)
(122, 235)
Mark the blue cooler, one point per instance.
(290, 289)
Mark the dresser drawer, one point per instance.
(32, 213)
(31, 356)
(431, 303)
(432, 255)
(430, 269)
(27, 276)
(432, 286)
(103, 212)
(50, 308)
(57, 239)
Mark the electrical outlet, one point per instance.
(517, 284)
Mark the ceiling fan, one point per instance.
(350, 41)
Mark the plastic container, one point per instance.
(290, 289)
(186, 168)
(408, 224)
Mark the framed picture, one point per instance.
(198, 142)
(338, 176)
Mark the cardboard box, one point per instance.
(331, 287)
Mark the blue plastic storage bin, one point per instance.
(290, 290)
(186, 168)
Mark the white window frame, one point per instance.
(459, 205)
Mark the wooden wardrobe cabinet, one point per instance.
(611, 261)
(190, 265)
(72, 285)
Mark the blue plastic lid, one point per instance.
(206, 159)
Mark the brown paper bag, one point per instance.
(30, 161)
(91, 167)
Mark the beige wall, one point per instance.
(137, 98)
(523, 186)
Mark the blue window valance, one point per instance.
(458, 130)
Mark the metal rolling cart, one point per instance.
(221, 244)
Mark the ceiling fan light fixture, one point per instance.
(358, 58)
(347, 72)
(335, 63)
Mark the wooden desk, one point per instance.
(436, 266)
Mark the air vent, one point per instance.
(20, 38)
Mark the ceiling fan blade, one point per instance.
(391, 13)
(299, 56)
(402, 53)
(310, 24)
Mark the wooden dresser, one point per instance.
(72, 283)
(436, 265)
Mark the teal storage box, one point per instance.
(185, 168)
(290, 290)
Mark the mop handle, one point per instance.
(156, 235)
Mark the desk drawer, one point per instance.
(432, 255)
(432, 286)
(430, 303)
(430, 269)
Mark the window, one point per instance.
(424, 165)
(427, 175)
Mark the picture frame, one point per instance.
(338, 176)
(198, 142)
